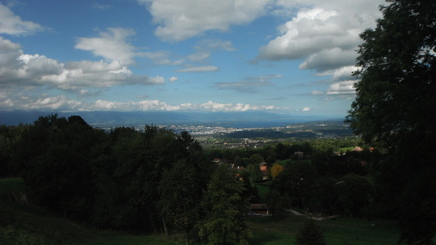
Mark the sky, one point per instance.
(281, 56)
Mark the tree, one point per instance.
(395, 94)
(354, 194)
(276, 170)
(256, 158)
(394, 110)
(180, 195)
(310, 234)
(256, 174)
(298, 181)
(225, 208)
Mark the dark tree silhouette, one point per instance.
(394, 110)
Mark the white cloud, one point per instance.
(342, 88)
(9, 53)
(180, 20)
(110, 45)
(306, 109)
(325, 38)
(65, 104)
(18, 70)
(198, 69)
(329, 59)
(213, 106)
(173, 79)
(344, 73)
(161, 58)
(14, 25)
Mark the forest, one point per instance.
(157, 181)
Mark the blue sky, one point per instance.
(282, 56)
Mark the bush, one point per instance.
(310, 234)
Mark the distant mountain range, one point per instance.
(249, 119)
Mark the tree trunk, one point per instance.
(165, 226)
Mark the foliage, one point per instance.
(394, 110)
(276, 169)
(298, 181)
(276, 203)
(111, 178)
(181, 191)
(156, 180)
(32, 222)
(53, 156)
(354, 193)
(256, 174)
(225, 209)
(310, 234)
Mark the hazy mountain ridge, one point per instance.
(106, 118)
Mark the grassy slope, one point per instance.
(21, 223)
(341, 231)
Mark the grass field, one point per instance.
(340, 231)
(22, 223)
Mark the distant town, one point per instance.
(235, 137)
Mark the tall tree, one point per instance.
(394, 109)
(180, 192)
(225, 208)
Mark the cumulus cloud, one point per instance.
(342, 88)
(329, 59)
(324, 35)
(19, 70)
(173, 79)
(324, 38)
(180, 20)
(14, 25)
(111, 45)
(198, 69)
(62, 102)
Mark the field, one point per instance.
(340, 231)
(22, 223)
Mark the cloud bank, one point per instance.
(63, 103)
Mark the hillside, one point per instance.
(22, 223)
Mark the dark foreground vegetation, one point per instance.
(165, 185)
(29, 224)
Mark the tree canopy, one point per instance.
(395, 94)
(394, 110)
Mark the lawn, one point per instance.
(263, 189)
(340, 231)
